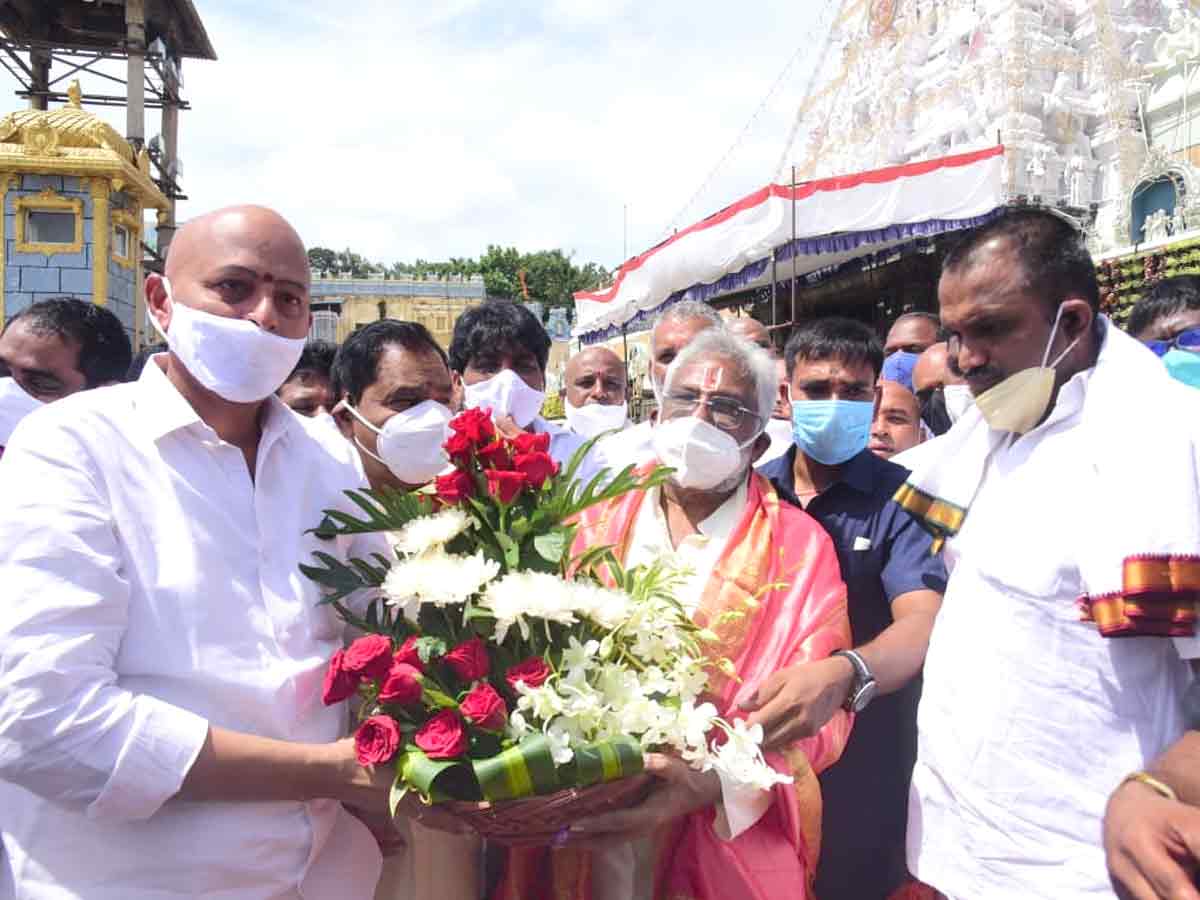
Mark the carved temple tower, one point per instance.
(1091, 98)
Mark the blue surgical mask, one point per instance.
(832, 431)
(1183, 365)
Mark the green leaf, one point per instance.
(552, 545)
(430, 648)
(511, 550)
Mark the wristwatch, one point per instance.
(864, 687)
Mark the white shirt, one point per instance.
(914, 457)
(564, 443)
(1028, 717)
(628, 873)
(630, 447)
(150, 590)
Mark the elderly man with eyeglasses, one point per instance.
(764, 577)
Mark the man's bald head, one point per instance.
(239, 262)
(933, 369)
(595, 375)
(752, 330)
(913, 331)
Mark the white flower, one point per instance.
(429, 532)
(542, 703)
(607, 608)
(740, 758)
(438, 578)
(517, 726)
(520, 596)
(560, 743)
(577, 659)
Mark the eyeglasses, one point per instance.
(726, 414)
(1185, 340)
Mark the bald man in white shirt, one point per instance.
(161, 656)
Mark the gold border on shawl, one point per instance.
(1158, 598)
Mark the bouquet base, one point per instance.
(542, 821)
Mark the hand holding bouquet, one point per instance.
(496, 666)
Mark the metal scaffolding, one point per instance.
(43, 46)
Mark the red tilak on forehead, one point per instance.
(710, 378)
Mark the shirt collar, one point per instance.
(163, 410)
(858, 472)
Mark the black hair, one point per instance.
(492, 325)
(1169, 296)
(104, 348)
(929, 317)
(356, 365)
(1051, 251)
(316, 358)
(141, 358)
(833, 337)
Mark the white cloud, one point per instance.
(407, 129)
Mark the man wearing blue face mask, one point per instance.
(894, 587)
(498, 357)
(1167, 320)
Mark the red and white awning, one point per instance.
(837, 220)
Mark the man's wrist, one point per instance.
(1152, 783)
(844, 675)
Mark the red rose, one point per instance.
(484, 708)
(533, 671)
(376, 740)
(469, 660)
(402, 685)
(408, 654)
(454, 487)
(528, 442)
(505, 485)
(339, 684)
(443, 736)
(536, 467)
(475, 425)
(459, 449)
(496, 455)
(369, 657)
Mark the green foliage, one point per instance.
(551, 276)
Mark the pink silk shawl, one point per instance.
(780, 570)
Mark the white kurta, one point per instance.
(1029, 718)
(152, 589)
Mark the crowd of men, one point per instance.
(971, 552)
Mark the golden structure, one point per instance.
(74, 194)
(342, 305)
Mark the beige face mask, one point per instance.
(1018, 403)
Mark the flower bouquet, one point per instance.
(496, 666)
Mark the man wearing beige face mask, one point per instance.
(1031, 714)
(162, 730)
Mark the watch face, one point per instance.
(865, 695)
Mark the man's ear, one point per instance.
(341, 415)
(156, 299)
(457, 392)
(1077, 318)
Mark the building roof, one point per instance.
(101, 25)
(72, 141)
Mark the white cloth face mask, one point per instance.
(506, 394)
(410, 442)
(233, 358)
(15, 404)
(703, 456)
(593, 419)
(958, 400)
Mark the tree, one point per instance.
(322, 259)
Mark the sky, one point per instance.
(409, 130)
